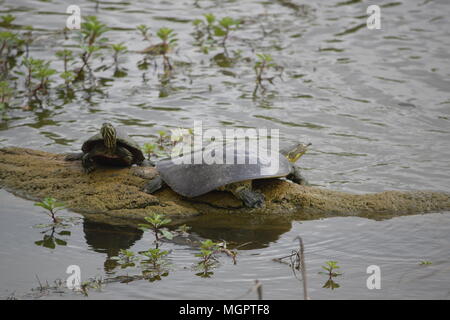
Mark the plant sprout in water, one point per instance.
(261, 67)
(143, 29)
(149, 150)
(208, 256)
(126, 258)
(117, 49)
(157, 223)
(168, 38)
(7, 20)
(330, 267)
(5, 94)
(52, 206)
(90, 41)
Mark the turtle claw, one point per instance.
(252, 199)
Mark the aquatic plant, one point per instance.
(262, 65)
(91, 41)
(38, 77)
(156, 265)
(143, 29)
(226, 25)
(205, 27)
(149, 149)
(208, 260)
(168, 37)
(330, 267)
(157, 223)
(210, 28)
(7, 20)
(5, 94)
(126, 258)
(118, 48)
(155, 257)
(162, 137)
(425, 262)
(208, 256)
(52, 206)
(67, 75)
(10, 48)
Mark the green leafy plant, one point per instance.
(208, 260)
(40, 71)
(118, 48)
(168, 38)
(209, 28)
(330, 267)
(155, 257)
(425, 262)
(7, 20)
(262, 65)
(5, 94)
(143, 29)
(157, 223)
(67, 75)
(126, 258)
(91, 40)
(225, 26)
(52, 206)
(149, 149)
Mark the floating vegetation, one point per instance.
(169, 40)
(157, 224)
(90, 42)
(52, 206)
(208, 256)
(330, 267)
(262, 66)
(210, 31)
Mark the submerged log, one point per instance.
(114, 195)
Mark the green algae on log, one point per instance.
(113, 195)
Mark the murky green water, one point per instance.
(374, 103)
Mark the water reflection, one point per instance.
(247, 231)
(110, 240)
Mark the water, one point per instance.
(374, 103)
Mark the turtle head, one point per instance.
(294, 152)
(108, 133)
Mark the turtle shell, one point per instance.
(123, 140)
(192, 179)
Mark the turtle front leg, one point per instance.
(243, 191)
(125, 155)
(153, 185)
(74, 156)
(296, 176)
(251, 199)
(87, 162)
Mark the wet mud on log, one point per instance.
(113, 195)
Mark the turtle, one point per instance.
(108, 147)
(191, 180)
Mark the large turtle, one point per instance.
(189, 179)
(108, 147)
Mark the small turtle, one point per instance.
(189, 179)
(109, 147)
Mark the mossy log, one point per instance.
(114, 195)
